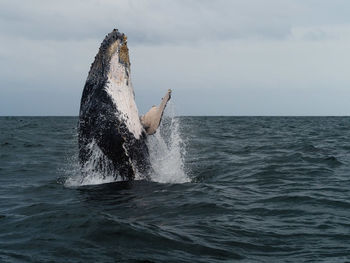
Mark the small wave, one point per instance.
(28, 126)
(332, 160)
(4, 144)
(310, 148)
(32, 145)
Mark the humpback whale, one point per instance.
(109, 120)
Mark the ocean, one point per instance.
(224, 189)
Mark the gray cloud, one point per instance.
(220, 56)
(151, 21)
(167, 21)
(154, 21)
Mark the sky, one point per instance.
(220, 57)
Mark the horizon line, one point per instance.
(4, 116)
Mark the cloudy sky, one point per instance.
(239, 57)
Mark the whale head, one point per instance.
(112, 64)
(109, 116)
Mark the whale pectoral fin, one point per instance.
(151, 120)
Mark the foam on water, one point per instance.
(167, 152)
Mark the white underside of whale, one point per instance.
(119, 87)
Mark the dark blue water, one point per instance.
(261, 189)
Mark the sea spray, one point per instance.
(166, 149)
(88, 174)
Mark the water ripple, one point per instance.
(257, 189)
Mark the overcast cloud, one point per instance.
(248, 57)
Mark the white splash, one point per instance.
(89, 175)
(167, 153)
(167, 150)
